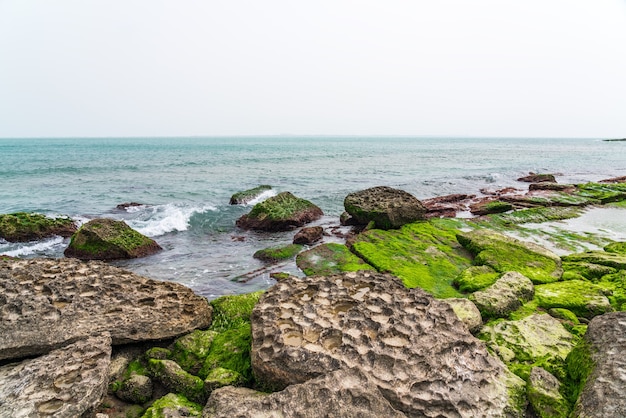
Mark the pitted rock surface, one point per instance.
(414, 348)
(603, 394)
(65, 383)
(48, 303)
(342, 393)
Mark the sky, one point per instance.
(94, 68)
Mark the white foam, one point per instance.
(161, 219)
(263, 196)
(30, 248)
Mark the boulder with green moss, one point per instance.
(503, 254)
(108, 239)
(220, 377)
(230, 350)
(467, 312)
(175, 379)
(487, 207)
(21, 226)
(544, 395)
(422, 254)
(585, 271)
(190, 350)
(282, 212)
(233, 311)
(616, 247)
(603, 258)
(330, 258)
(602, 192)
(476, 278)
(172, 405)
(276, 254)
(136, 389)
(583, 298)
(246, 196)
(506, 295)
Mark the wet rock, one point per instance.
(276, 254)
(447, 206)
(108, 239)
(489, 206)
(190, 350)
(545, 396)
(506, 295)
(342, 393)
(387, 207)
(538, 178)
(308, 235)
(48, 303)
(246, 196)
(551, 186)
(126, 206)
(603, 393)
(405, 341)
(330, 258)
(603, 258)
(621, 179)
(21, 227)
(65, 383)
(282, 212)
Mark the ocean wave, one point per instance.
(44, 247)
(158, 220)
(263, 196)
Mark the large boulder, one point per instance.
(65, 383)
(48, 303)
(342, 393)
(506, 295)
(385, 206)
(282, 212)
(603, 392)
(414, 348)
(20, 226)
(583, 298)
(108, 239)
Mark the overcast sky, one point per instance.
(400, 67)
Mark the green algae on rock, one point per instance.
(177, 380)
(476, 278)
(173, 405)
(610, 259)
(230, 350)
(243, 197)
(190, 350)
(506, 295)
(282, 212)
(422, 254)
(275, 254)
(330, 258)
(220, 377)
(21, 226)
(602, 192)
(544, 395)
(583, 298)
(108, 239)
(232, 311)
(505, 254)
(585, 271)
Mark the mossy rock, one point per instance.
(230, 350)
(246, 196)
(533, 215)
(476, 278)
(602, 192)
(220, 377)
(158, 353)
(544, 395)
(233, 311)
(490, 207)
(22, 227)
(583, 298)
(282, 212)
(108, 239)
(177, 380)
(330, 258)
(584, 270)
(505, 254)
(190, 350)
(276, 254)
(173, 405)
(610, 259)
(579, 365)
(422, 254)
(506, 295)
(614, 286)
(616, 247)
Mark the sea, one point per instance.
(184, 185)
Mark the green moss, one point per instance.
(579, 365)
(584, 270)
(280, 207)
(191, 350)
(173, 402)
(248, 195)
(230, 350)
(498, 207)
(422, 254)
(22, 226)
(617, 261)
(602, 192)
(525, 310)
(583, 298)
(330, 258)
(532, 215)
(614, 285)
(547, 402)
(476, 278)
(158, 353)
(233, 311)
(616, 247)
(220, 377)
(274, 254)
(136, 367)
(174, 378)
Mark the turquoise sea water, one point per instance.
(185, 184)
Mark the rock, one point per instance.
(538, 339)
(603, 393)
(20, 227)
(411, 346)
(616, 247)
(190, 350)
(247, 196)
(551, 186)
(276, 254)
(282, 212)
(220, 377)
(545, 396)
(609, 259)
(489, 206)
(476, 278)
(173, 406)
(230, 350)
(67, 382)
(585, 271)
(467, 312)
(128, 205)
(176, 380)
(387, 207)
(505, 254)
(108, 239)
(48, 303)
(136, 389)
(233, 311)
(602, 192)
(447, 206)
(342, 393)
(330, 258)
(506, 295)
(308, 235)
(621, 179)
(583, 298)
(538, 178)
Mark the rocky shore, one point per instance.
(419, 313)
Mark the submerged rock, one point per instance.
(387, 207)
(411, 346)
(49, 303)
(282, 212)
(108, 239)
(21, 226)
(246, 196)
(538, 178)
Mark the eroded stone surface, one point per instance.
(64, 383)
(413, 347)
(48, 303)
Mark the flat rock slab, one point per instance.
(412, 347)
(65, 383)
(48, 303)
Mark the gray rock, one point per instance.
(603, 394)
(67, 382)
(411, 346)
(136, 389)
(49, 303)
(344, 393)
(506, 295)
(545, 396)
(387, 207)
(467, 312)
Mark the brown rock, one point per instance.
(538, 178)
(308, 235)
(386, 207)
